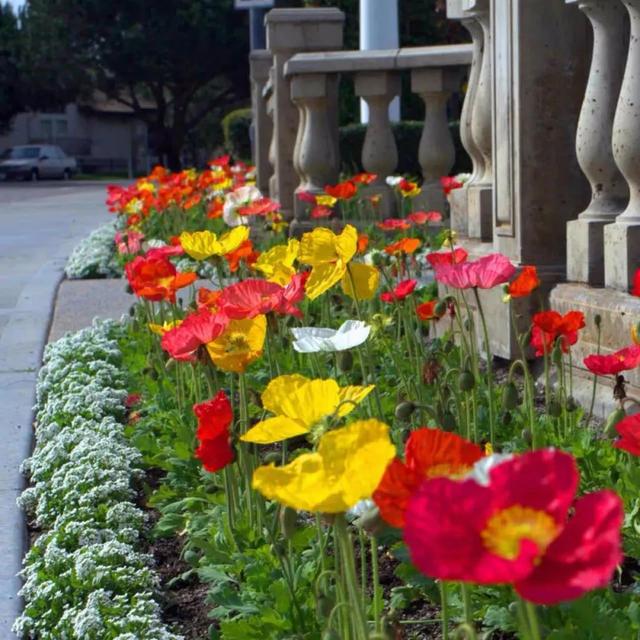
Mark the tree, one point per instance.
(10, 98)
(186, 57)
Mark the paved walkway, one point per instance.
(39, 226)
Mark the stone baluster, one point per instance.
(622, 238)
(260, 62)
(436, 152)
(480, 188)
(317, 157)
(267, 95)
(379, 151)
(610, 192)
(458, 198)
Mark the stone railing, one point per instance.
(436, 72)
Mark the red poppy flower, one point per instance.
(214, 419)
(343, 190)
(321, 211)
(449, 183)
(550, 325)
(305, 196)
(408, 189)
(422, 217)
(610, 365)
(629, 431)
(292, 295)
(220, 161)
(517, 529)
(363, 242)
(244, 253)
(167, 251)
(405, 245)
(215, 209)
(526, 281)
(484, 273)
(457, 256)
(400, 292)
(393, 224)
(429, 453)
(364, 178)
(635, 286)
(259, 207)
(427, 310)
(197, 329)
(132, 400)
(253, 297)
(156, 278)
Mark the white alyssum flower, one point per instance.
(95, 256)
(235, 199)
(351, 333)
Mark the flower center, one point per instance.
(237, 343)
(506, 529)
(451, 470)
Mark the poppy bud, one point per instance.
(191, 557)
(378, 259)
(572, 405)
(324, 605)
(556, 354)
(153, 374)
(554, 408)
(467, 324)
(272, 456)
(527, 436)
(345, 361)
(370, 521)
(612, 421)
(441, 308)
(466, 381)
(597, 319)
(132, 310)
(510, 397)
(288, 522)
(404, 410)
(448, 421)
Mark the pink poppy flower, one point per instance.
(484, 273)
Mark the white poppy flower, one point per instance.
(393, 181)
(240, 197)
(482, 468)
(352, 333)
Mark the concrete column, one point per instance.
(609, 191)
(436, 152)
(260, 62)
(540, 61)
(622, 239)
(269, 101)
(317, 158)
(480, 188)
(379, 30)
(291, 31)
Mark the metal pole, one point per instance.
(258, 37)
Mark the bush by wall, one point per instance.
(237, 141)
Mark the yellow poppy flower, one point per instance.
(363, 278)
(201, 245)
(299, 404)
(161, 329)
(276, 264)
(329, 255)
(326, 200)
(346, 468)
(240, 344)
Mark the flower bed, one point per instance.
(333, 468)
(85, 576)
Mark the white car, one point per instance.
(32, 162)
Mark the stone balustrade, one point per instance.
(436, 72)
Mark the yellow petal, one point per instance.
(200, 245)
(240, 344)
(161, 329)
(231, 240)
(347, 243)
(318, 247)
(365, 278)
(274, 430)
(277, 263)
(352, 396)
(323, 277)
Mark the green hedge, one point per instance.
(407, 135)
(235, 127)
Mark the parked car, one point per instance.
(32, 162)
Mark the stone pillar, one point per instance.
(480, 187)
(459, 198)
(540, 62)
(267, 95)
(291, 31)
(436, 152)
(622, 239)
(317, 158)
(609, 191)
(260, 61)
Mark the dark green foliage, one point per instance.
(236, 126)
(10, 100)
(407, 135)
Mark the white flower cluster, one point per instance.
(85, 577)
(95, 256)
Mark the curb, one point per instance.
(21, 348)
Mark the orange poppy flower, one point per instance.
(245, 252)
(364, 178)
(343, 190)
(208, 298)
(429, 453)
(408, 189)
(215, 208)
(405, 245)
(427, 310)
(156, 278)
(526, 281)
(363, 242)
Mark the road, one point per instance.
(40, 223)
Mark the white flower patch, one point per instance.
(95, 256)
(84, 577)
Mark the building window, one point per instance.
(46, 130)
(61, 128)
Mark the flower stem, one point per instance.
(487, 347)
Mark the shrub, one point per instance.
(237, 139)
